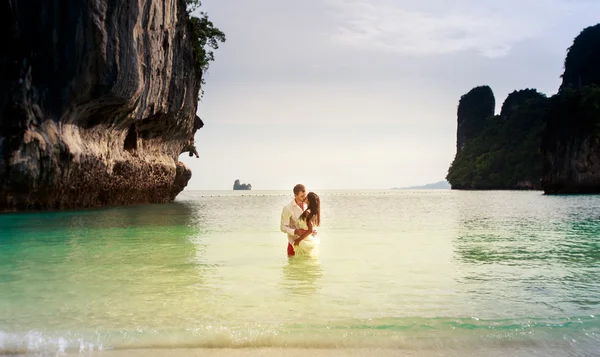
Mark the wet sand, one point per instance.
(344, 352)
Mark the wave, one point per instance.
(575, 333)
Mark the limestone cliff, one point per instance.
(536, 142)
(581, 62)
(97, 101)
(474, 109)
(500, 152)
(571, 141)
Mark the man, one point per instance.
(290, 215)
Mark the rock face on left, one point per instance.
(97, 101)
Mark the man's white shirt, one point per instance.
(289, 219)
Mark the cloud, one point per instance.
(489, 27)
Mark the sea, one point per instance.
(398, 273)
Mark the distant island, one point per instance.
(243, 186)
(442, 185)
(536, 142)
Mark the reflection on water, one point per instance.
(168, 214)
(520, 253)
(527, 228)
(301, 275)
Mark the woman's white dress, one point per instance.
(310, 244)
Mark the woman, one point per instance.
(307, 243)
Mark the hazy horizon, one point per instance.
(362, 94)
(317, 189)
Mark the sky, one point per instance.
(362, 94)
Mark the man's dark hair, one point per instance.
(299, 188)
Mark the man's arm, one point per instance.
(285, 226)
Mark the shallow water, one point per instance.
(414, 271)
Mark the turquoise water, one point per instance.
(417, 271)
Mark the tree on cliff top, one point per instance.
(582, 62)
(517, 99)
(473, 110)
(206, 34)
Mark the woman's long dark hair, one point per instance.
(313, 212)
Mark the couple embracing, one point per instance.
(299, 220)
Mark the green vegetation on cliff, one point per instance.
(574, 116)
(505, 153)
(535, 142)
(581, 64)
(205, 33)
(571, 141)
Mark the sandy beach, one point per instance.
(299, 352)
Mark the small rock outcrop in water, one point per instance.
(243, 186)
(97, 101)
